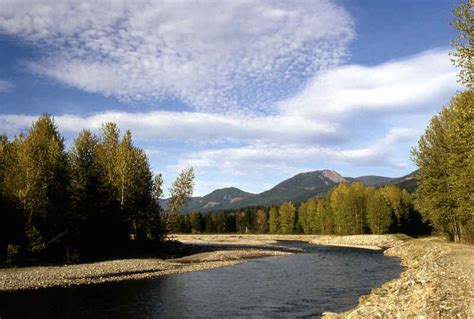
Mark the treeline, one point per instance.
(345, 210)
(445, 152)
(98, 199)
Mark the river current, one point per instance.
(301, 285)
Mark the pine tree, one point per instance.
(88, 194)
(196, 222)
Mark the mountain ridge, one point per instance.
(298, 188)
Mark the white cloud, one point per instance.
(203, 127)
(305, 133)
(5, 86)
(265, 157)
(213, 55)
(410, 85)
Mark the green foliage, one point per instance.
(181, 190)
(379, 214)
(274, 221)
(35, 241)
(262, 221)
(383, 210)
(287, 214)
(464, 43)
(94, 200)
(445, 157)
(13, 253)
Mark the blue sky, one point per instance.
(247, 92)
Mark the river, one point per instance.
(301, 285)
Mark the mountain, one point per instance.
(371, 180)
(219, 199)
(408, 182)
(298, 188)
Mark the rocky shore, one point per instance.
(358, 241)
(438, 283)
(125, 269)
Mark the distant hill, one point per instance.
(298, 188)
(220, 199)
(408, 182)
(371, 180)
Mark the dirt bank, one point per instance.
(438, 283)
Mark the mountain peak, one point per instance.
(333, 176)
(298, 188)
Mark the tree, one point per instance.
(156, 231)
(196, 223)
(274, 221)
(379, 214)
(445, 158)
(107, 153)
(287, 214)
(88, 195)
(342, 206)
(42, 189)
(358, 193)
(314, 216)
(262, 221)
(325, 214)
(181, 190)
(303, 218)
(464, 43)
(11, 221)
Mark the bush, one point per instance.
(13, 252)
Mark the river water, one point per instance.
(301, 285)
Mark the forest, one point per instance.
(348, 209)
(98, 199)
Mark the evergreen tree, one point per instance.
(196, 223)
(262, 221)
(88, 195)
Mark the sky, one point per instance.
(249, 93)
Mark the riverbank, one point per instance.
(438, 283)
(202, 252)
(126, 269)
(357, 241)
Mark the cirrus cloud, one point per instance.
(216, 56)
(5, 86)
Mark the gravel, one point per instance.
(438, 283)
(125, 269)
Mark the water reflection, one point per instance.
(323, 279)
